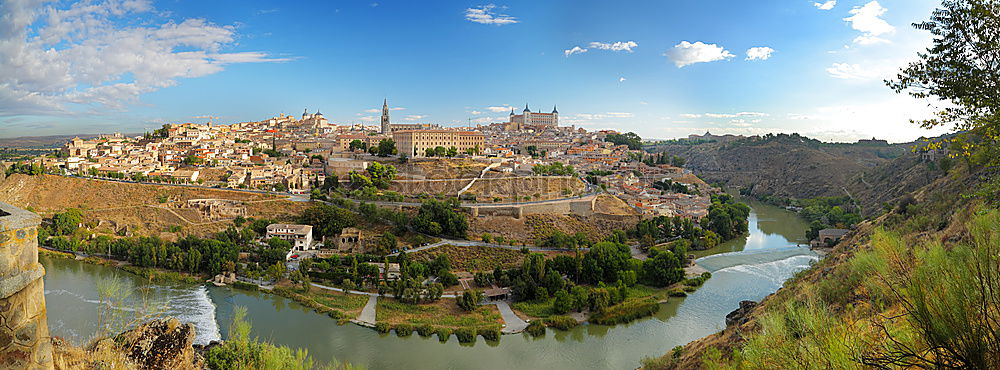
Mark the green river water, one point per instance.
(748, 268)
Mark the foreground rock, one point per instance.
(740, 315)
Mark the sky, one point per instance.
(662, 69)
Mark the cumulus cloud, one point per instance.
(867, 19)
(574, 50)
(414, 117)
(615, 46)
(759, 53)
(686, 53)
(486, 14)
(499, 108)
(826, 5)
(60, 59)
(621, 79)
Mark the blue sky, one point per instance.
(660, 68)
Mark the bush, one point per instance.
(677, 293)
(561, 322)
(425, 330)
(625, 312)
(490, 334)
(404, 330)
(465, 335)
(245, 286)
(334, 314)
(690, 289)
(706, 275)
(536, 328)
(443, 334)
(382, 327)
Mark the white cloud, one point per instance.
(475, 113)
(752, 114)
(759, 53)
(866, 19)
(63, 59)
(414, 117)
(615, 46)
(498, 109)
(686, 53)
(826, 6)
(719, 115)
(485, 14)
(621, 79)
(847, 71)
(574, 50)
(368, 118)
(690, 115)
(373, 110)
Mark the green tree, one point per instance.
(357, 144)
(387, 147)
(381, 174)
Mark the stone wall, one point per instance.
(24, 330)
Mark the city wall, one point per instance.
(24, 330)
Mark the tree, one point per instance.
(357, 144)
(327, 220)
(381, 174)
(440, 151)
(66, 223)
(662, 268)
(387, 147)
(387, 243)
(563, 303)
(633, 141)
(452, 151)
(470, 299)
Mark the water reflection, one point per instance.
(743, 276)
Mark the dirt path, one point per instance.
(512, 323)
(367, 315)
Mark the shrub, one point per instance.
(382, 327)
(677, 293)
(706, 275)
(443, 334)
(490, 334)
(625, 312)
(425, 330)
(561, 322)
(690, 289)
(536, 328)
(404, 330)
(465, 335)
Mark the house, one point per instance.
(301, 236)
(828, 237)
(392, 274)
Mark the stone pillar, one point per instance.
(24, 330)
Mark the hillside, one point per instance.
(793, 166)
(867, 304)
(134, 209)
(783, 165)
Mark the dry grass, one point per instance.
(443, 313)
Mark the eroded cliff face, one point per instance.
(24, 330)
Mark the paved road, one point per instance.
(367, 315)
(512, 323)
(389, 295)
(472, 243)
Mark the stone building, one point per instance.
(299, 235)
(349, 241)
(416, 142)
(24, 329)
(528, 119)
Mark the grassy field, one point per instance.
(443, 313)
(474, 258)
(539, 308)
(350, 304)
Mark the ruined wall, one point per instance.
(24, 330)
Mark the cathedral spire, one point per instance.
(386, 129)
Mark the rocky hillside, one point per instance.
(866, 303)
(783, 165)
(793, 166)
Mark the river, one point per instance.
(748, 268)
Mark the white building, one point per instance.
(301, 236)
